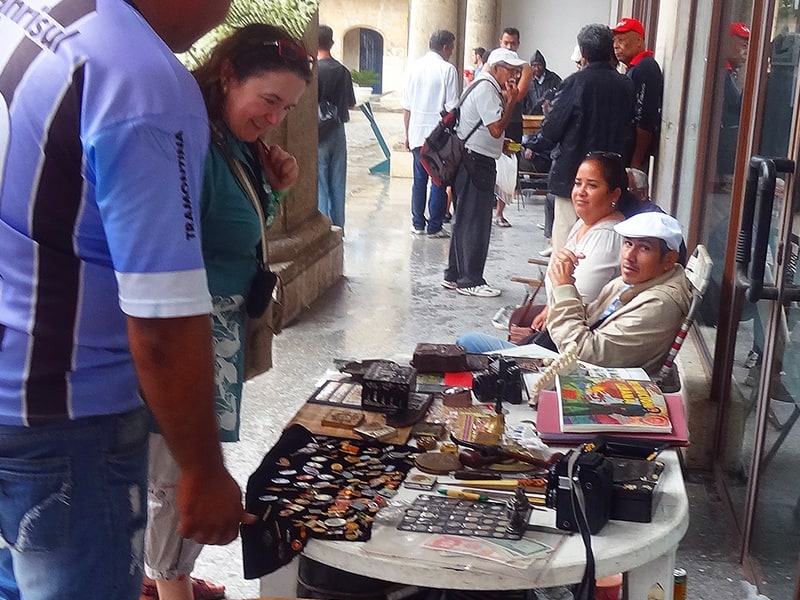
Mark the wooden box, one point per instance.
(386, 387)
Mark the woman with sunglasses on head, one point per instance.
(251, 80)
(592, 244)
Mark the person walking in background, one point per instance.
(593, 108)
(486, 110)
(104, 294)
(249, 82)
(648, 86)
(336, 98)
(430, 87)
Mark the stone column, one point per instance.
(481, 27)
(425, 17)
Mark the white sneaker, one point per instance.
(416, 231)
(450, 285)
(503, 316)
(546, 252)
(480, 291)
(439, 234)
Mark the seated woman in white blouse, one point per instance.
(599, 184)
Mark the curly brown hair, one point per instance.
(251, 50)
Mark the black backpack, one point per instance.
(443, 150)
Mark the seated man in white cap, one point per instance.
(634, 319)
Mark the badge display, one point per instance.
(437, 514)
(320, 487)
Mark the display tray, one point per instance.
(438, 514)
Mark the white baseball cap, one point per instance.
(504, 55)
(652, 225)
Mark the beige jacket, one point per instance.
(638, 334)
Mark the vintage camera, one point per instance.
(594, 472)
(502, 382)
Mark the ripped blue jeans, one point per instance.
(73, 507)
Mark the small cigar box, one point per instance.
(343, 419)
(375, 431)
(420, 481)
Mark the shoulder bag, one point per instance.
(442, 152)
(266, 285)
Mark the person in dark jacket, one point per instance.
(543, 85)
(648, 84)
(592, 109)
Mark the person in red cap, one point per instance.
(648, 84)
(735, 57)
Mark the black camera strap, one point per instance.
(586, 587)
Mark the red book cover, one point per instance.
(549, 425)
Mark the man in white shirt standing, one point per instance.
(430, 87)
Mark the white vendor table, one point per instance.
(645, 551)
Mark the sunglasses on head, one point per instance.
(291, 52)
(602, 154)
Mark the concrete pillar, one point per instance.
(425, 17)
(481, 28)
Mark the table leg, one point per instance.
(658, 572)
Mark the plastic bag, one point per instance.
(506, 182)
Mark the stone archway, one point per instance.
(362, 49)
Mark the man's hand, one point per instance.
(511, 93)
(174, 361)
(210, 506)
(540, 321)
(280, 167)
(562, 267)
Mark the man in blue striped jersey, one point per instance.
(102, 291)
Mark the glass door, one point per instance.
(760, 441)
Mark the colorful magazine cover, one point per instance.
(604, 404)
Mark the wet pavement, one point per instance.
(389, 299)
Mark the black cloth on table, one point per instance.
(317, 486)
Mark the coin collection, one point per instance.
(437, 514)
(329, 488)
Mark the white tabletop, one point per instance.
(398, 556)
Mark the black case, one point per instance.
(595, 474)
(635, 490)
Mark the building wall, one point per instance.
(387, 17)
(552, 27)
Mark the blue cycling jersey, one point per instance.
(103, 135)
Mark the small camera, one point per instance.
(502, 381)
(594, 473)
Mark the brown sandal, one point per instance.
(201, 589)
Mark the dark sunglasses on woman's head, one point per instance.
(290, 51)
(603, 154)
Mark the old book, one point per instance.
(599, 404)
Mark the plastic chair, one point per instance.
(698, 272)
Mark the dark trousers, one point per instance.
(472, 224)
(549, 214)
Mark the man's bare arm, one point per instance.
(511, 95)
(643, 140)
(174, 362)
